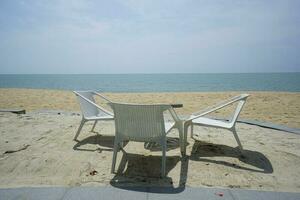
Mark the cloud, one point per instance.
(148, 36)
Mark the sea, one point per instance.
(288, 82)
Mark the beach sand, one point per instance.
(276, 107)
(37, 148)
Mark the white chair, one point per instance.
(144, 123)
(90, 110)
(198, 119)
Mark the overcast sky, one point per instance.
(154, 36)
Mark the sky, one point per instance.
(157, 36)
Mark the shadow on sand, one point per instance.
(108, 142)
(102, 141)
(143, 173)
(172, 143)
(201, 151)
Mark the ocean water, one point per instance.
(157, 82)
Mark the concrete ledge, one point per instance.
(131, 193)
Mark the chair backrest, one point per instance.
(87, 108)
(139, 122)
(242, 100)
(87, 104)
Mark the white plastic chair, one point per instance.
(198, 119)
(90, 110)
(144, 123)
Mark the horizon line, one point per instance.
(155, 73)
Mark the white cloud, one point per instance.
(150, 36)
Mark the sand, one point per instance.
(37, 149)
(276, 107)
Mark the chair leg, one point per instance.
(237, 138)
(163, 164)
(184, 141)
(94, 125)
(181, 138)
(116, 149)
(79, 129)
(192, 131)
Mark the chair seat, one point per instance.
(169, 126)
(212, 122)
(100, 117)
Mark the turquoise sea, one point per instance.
(156, 82)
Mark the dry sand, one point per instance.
(36, 149)
(277, 107)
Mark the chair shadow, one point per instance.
(201, 150)
(143, 173)
(172, 143)
(102, 141)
